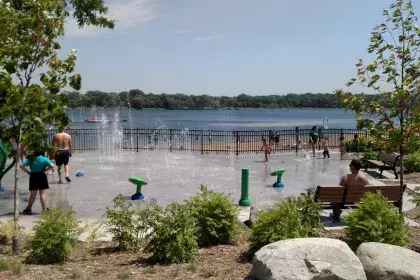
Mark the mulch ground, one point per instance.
(103, 262)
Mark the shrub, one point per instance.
(129, 225)
(56, 232)
(291, 218)
(375, 220)
(174, 236)
(412, 162)
(363, 143)
(215, 217)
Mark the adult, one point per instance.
(356, 177)
(313, 139)
(62, 141)
(38, 181)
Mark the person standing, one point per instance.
(313, 139)
(38, 181)
(62, 141)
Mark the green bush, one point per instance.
(215, 217)
(55, 233)
(363, 143)
(291, 218)
(375, 220)
(130, 225)
(412, 162)
(174, 236)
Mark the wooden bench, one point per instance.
(385, 162)
(338, 197)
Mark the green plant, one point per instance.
(130, 225)
(290, 218)
(375, 220)
(412, 162)
(209, 272)
(8, 230)
(363, 143)
(4, 265)
(174, 236)
(215, 217)
(56, 232)
(192, 267)
(416, 199)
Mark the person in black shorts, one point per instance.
(62, 142)
(38, 181)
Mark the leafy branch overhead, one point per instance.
(394, 75)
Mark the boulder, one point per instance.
(389, 262)
(258, 207)
(307, 259)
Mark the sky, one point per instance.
(226, 47)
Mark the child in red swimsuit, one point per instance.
(266, 147)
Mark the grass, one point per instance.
(124, 275)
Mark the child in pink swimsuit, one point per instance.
(266, 147)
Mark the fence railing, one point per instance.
(201, 141)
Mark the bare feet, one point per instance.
(60, 182)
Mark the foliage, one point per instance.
(55, 233)
(363, 143)
(412, 162)
(291, 218)
(8, 230)
(138, 99)
(394, 118)
(130, 225)
(416, 199)
(375, 220)
(215, 217)
(174, 238)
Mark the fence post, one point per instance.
(245, 201)
(137, 145)
(342, 133)
(297, 139)
(202, 142)
(170, 140)
(237, 143)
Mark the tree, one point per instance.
(394, 118)
(29, 44)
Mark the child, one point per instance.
(324, 143)
(266, 148)
(342, 147)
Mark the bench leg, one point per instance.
(336, 214)
(396, 174)
(380, 174)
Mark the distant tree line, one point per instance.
(137, 99)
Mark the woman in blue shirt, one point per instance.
(38, 181)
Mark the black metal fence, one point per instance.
(201, 141)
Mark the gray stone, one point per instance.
(389, 262)
(260, 206)
(307, 259)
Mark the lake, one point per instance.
(244, 119)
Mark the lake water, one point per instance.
(246, 119)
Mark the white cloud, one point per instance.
(208, 38)
(126, 13)
(183, 31)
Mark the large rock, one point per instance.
(389, 262)
(307, 259)
(260, 206)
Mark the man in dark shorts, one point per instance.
(38, 181)
(62, 141)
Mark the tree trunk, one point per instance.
(401, 178)
(15, 242)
